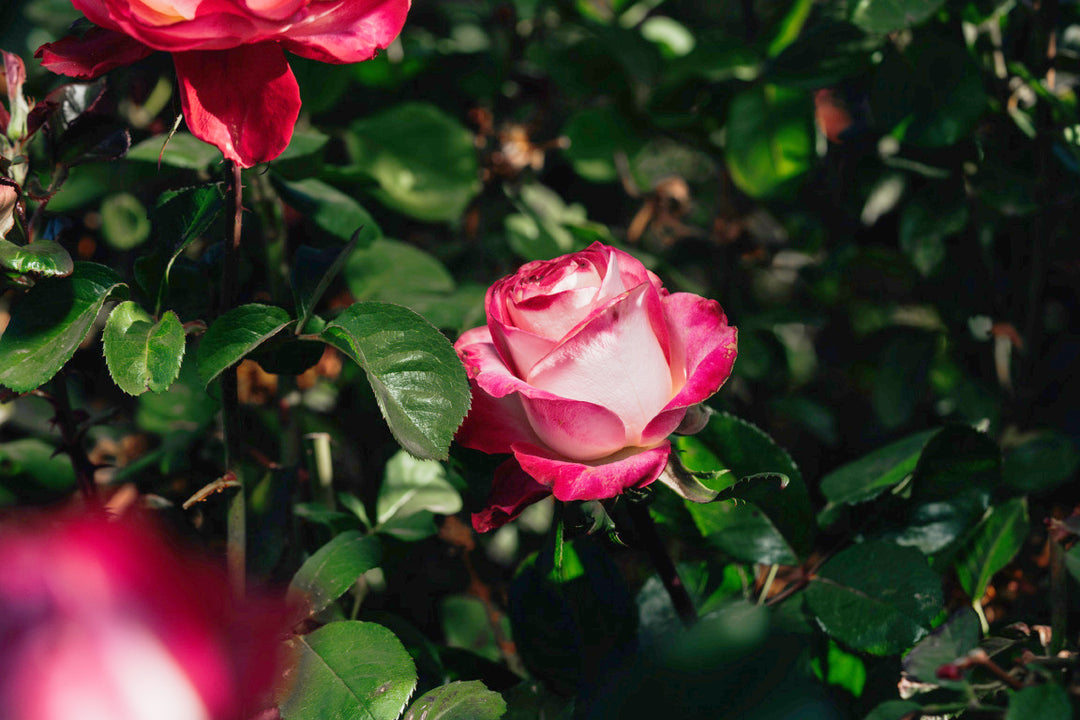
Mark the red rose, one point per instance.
(236, 87)
(585, 367)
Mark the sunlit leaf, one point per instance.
(349, 670)
(142, 354)
(417, 378)
(48, 324)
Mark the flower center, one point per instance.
(165, 12)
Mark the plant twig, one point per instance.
(236, 540)
(71, 437)
(646, 535)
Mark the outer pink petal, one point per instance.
(572, 428)
(346, 31)
(494, 424)
(245, 100)
(614, 360)
(701, 334)
(94, 54)
(594, 481)
(512, 491)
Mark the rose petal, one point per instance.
(576, 429)
(662, 425)
(346, 31)
(512, 491)
(701, 334)
(95, 53)
(519, 348)
(245, 100)
(219, 25)
(636, 467)
(615, 361)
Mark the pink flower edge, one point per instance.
(700, 330)
(512, 491)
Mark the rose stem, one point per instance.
(71, 438)
(236, 532)
(645, 532)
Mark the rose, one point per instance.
(586, 365)
(236, 88)
(102, 620)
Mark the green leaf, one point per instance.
(124, 222)
(541, 230)
(304, 155)
(184, 409)
(1042, 462)
(467, 624)
(886, 16)
(32, 472)
(1045, 702)
(142, 354)
(376, 272)
(332, 570)
(183, 150)
(842, 669)
(596, 135)
(894, 710)
(935, 213)
(949, 642)
(423, 161)
(349, 670)
(312, 272)
(876, 597)
(44, 257)
(991, 545)
(235, 334)
(769, 142)
(48, 324)
(790, 26)
(774, 526)
(412, 488)
(869, 476)
(330, 210)
(417, 378)
(180, 217)
(458, 701)
(951, 487)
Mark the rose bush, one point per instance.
(236, 88)
(586, 365)
(102, 620)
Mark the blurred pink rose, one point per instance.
(102, 620)
(236, 87)
(585, 367)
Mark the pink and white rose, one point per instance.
(585, 367)
(103, 620)
(236, 87)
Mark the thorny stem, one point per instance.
(645, 532)
(71, 438)
(236, 540)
